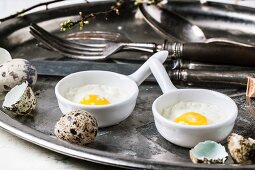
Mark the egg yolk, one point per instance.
(94, 100)
(191, 118)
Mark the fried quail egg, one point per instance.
(193, 113)
(208, 152)
(94, 94)
(20, 99)
(78, 127)
(242, 149)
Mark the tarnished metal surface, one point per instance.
(134, 142)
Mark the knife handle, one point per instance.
(193, 65)
(212, 53)
(236, 78)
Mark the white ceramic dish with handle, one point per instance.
(187, 135)
(111, 114)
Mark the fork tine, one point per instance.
(63, 42)
(42, 41)
(97, 35)
(50, 41)
(60, 48)
(74, 49)
(67, 44)
(69, 54)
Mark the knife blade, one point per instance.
(63, 68)
(226, 78)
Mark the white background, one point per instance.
(19, 154)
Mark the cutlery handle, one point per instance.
(193, 65)
(236, 78)
(212, 53)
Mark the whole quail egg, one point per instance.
(20, 99)
(241, 149)
(78, 127)
(4, 56)
(208, 152)
(14, 72)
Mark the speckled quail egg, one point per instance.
(4, 56)
(14, 72)
(241, 149)
(208, 152)
(78, 127)
(20, 99)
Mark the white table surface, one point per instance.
(16, 153)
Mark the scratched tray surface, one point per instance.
(134, 142)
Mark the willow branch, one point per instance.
(29, 9)
(114, 9)
(85, 18)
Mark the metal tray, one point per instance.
(135, 142)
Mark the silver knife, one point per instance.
(221, 77)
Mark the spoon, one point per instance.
(175, 27)
(188, 135)
(113, 113)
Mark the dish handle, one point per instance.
(144, 71)
(159, 72)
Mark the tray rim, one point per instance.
(52, 143)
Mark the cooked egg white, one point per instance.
(95, 94)
(193, 113)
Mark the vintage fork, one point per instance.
(84, 50)
(203, 52)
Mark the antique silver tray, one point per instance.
(135, 142)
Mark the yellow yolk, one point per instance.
(94, 100)
(191, 118)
